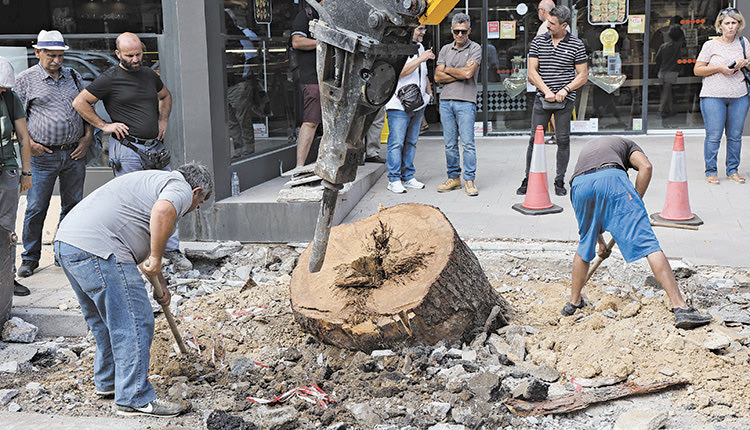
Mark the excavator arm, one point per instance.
(362, 47)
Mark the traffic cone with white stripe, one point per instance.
(677, 206)
(537, 200)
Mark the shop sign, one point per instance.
(637, 124)
(493, 29)
(637, 24)
(260, 130)
(507, 29)
(606, 12)
(479, 127)
(263, 13)
(588, 126)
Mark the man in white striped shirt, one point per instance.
(557, 67)
(59, 139)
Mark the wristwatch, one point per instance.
(25, 173)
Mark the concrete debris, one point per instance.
(9, 367)
(364, 414)
(7, 395)
(644, 419)
(212, 250)
(532, 390)
(14, 407)
(438, 410)
(18, 330)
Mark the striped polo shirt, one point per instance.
(51, 119)
(557, 64)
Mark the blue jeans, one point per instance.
(45, 169)
(116, 307)
(539, 116)
(720, 114)
(130, 161)
(403, 133)
(458, 119)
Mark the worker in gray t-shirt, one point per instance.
(100, 243)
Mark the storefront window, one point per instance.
(81, 16)
(261, 101)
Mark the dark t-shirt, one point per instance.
(308, 73)
(130, 98)
(605, 150)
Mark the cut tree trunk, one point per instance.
(400, 277)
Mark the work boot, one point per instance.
(179, 260)
(569, 308)
(156, 408)
(560, 188)
(521, 191)
(449, 185)
(471, 189)
(20, 290)
(27, 268)
(687, 318)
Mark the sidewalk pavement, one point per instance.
(724, 208)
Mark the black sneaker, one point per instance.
(521, 191)
(569, 308)
(27, 268)
(687, 318)
(560, 188)
(20, 290)
(156, 408)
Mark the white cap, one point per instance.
(7, 75)
(52, 40)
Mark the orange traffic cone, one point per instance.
(677, 205)
(537, 200)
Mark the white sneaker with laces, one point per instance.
(156, 408)
(413, 183)
(397, 187)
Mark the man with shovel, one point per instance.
(604, 199)
(122, 226)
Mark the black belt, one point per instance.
(138, 140)
(66, 147)
(605, 167)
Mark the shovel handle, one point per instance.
(159, 291)
(598, 260)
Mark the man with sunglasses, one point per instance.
(128, 222)
(456, 69)
(557, 67)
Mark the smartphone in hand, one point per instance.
(731, 66)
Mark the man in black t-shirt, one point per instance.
(304, 49)
(139, 104)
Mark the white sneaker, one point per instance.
(396, 187)
(413, 183)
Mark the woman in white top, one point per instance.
(403, 127)
(724, 95)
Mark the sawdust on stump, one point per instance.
(401, 276)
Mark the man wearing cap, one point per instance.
(12, 118)
(59, 139)
(139, 104)
(604, 199)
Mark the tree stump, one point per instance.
(400, 277)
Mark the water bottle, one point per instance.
(235, 184)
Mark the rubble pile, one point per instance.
(250, 366)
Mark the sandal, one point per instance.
(736, 178)
(551, 141)
(713, 179)
(569, 308)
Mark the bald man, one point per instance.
(139, 104)
(543, 12)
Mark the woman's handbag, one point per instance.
(744, 69)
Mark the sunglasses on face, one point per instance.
(457, 32)
(728, 11)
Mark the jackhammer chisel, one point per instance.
(362, 48)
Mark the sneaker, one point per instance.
(413, 183)
(179, 260)
(471, 189)
(687, 318)
(521, 191)
(109, 393)
(569, 308)
(397, 187)
(156, 408)
(449, 185)
(27, 268)
(20, 290)
(375, 159)
(560, 188)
